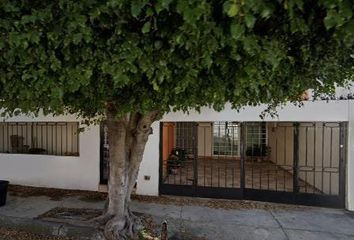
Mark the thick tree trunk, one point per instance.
(127, 137)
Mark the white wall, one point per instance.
(150, 165)
(81, 172)
(311, 111)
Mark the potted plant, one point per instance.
(260, 152)
(3, 192)
(176, 160)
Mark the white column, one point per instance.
(148, 177)
(350, 162)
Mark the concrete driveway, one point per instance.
(308, 223)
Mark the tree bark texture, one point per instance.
(127, 137)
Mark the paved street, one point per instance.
(209, 223)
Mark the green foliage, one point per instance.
(143, 55)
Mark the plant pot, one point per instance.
(3, 192)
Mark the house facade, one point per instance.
(304, 155)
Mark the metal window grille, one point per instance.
(226, 138)
(256, 134)
(50, 138)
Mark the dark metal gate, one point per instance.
(104, 154)
(301, 163)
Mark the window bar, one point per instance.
(225, 176)
(211, 175)
(52, 127)
(194, 141)
(306, 157)
(305, 183)
(3, 137)
(276, 158)
(32, 135)
(174, 174)
(7, 137)
(252, 158)
(67, 140)
(17, 134)
(242, 170)
(268, 178)
(260, 177)
(296, 158)
(72, 138)
(165, 171)
(77, 138)
(41, 128)
(220, 141)
(37, 140)
(343, 145)
(284, 177)
(186, 178)
(204, 172)
(233, 176)
(330, 172)
(61, 139)
(180, 169)
(323, 153)
(314, 158)
(46, 137)
(204, 164)
(258, 135)
(218, 177)
(268, 168)
(331, 147)
(23, 139)
(56, 139)
(306, 143)
(330, 183)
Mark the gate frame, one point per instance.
(243, 193)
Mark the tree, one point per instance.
(129, 62)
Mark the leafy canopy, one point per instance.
(143, 55)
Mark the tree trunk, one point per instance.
(127, 137)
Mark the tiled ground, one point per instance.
(226, 173)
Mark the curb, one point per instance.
(49, 228)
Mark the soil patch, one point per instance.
(215, 203)
(91, 196)
(70, 214)
(82, 217)
(54, 193)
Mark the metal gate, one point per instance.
(301, 163)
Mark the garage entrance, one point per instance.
(301, 163)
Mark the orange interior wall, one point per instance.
(168, 140)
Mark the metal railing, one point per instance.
(49, 138)
(282, 157)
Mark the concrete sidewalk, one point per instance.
(203, 222)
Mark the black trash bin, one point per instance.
(3, 192)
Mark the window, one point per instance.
(226, 138)
(51, 138)
(256, 134)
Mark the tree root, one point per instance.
(118, 228)
(102, 220)
(121, 228)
